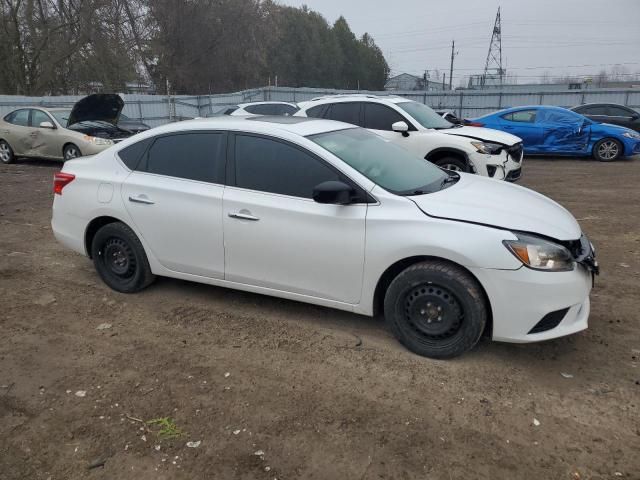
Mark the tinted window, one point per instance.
(619, 112)
(275, 167)
(271, 109)
(523, 116)
(194, 156)
(38, 116)
(316, 112)
(344, 112)
(424, 115)
(594, 110)
(380, 117)
(265, 109)
(132, 154)
(19, 117)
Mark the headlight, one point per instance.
(98, 140)
(634, 135)
(487, 148)
(540, 254)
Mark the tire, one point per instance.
(436, 309)
(608, 150)
(70, 151)
(452, 163)
(120, 259)
(6, 153)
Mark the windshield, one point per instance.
(425, 115)
(382, 162)
(61, 116)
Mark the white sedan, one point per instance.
(331, 214)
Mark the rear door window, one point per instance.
(521, 116)
(19, 117)
(594, 110)
(197, 156)
(132, 154)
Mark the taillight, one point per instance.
(474, 124)
(61, 180)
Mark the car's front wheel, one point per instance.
(452, 163)
(71, 151)
(608, 150)
(6, 153)
(120, 259)
(436, 309)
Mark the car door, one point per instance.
(624, 116)
(276, 236)
(17, 132)
(522, 123)
(174, 196)
(47, 142)
(564, 131)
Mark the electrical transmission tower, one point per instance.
(493, 65)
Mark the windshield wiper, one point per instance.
(450, 179)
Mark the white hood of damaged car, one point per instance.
(484, 134)
(500, 204)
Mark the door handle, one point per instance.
(244, 216)
(141, 199)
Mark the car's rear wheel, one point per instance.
(608, 150)
(6, 153)
(71, 151)
(436, 309)
(452, 163)
(120, 259)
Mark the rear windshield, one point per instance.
(384, 163)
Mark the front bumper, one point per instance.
(506, 165)
(521, 298)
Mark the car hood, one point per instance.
(500, 204)
(484, 134)
(104, 107)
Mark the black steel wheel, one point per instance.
(436, 309)
(120, 259)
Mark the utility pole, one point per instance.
(453, 54)
(443, 80)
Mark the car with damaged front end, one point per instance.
(327, 213)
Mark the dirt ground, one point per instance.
(278, 389)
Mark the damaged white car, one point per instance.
(422, 131)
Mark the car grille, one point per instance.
(515, 152)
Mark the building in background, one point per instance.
(406, 81)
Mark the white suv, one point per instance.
(422, 131)
(331, 214)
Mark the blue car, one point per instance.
(547, 130)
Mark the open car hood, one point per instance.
(484, 134)
(500, 204)
(104, 107)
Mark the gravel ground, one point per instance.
(277, 389)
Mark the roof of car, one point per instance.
(302, 126)
(360, 97)
(266, 102)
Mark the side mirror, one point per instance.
(635, 116)
(401, 127)
(46, 125)
(333, 192)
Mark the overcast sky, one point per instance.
(573, 37)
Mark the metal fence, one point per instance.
(160, 109)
